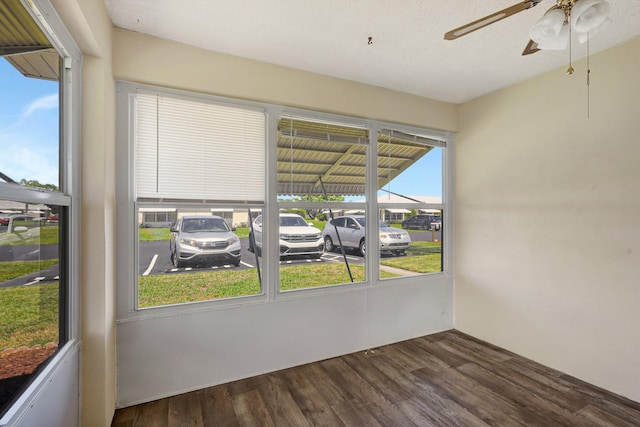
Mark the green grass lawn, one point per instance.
(153, 234)
(28, 315)
(46, 235)
(424, 248)
(12, 269)
(425, 258)
(208, 285)
(430, 263)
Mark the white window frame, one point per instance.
(70, 129)
(127, 290)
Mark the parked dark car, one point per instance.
(423, 222)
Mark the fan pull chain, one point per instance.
(291, 157)
(570, 69)
(588, 79)
(389, 163)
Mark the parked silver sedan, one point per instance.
(351, 229)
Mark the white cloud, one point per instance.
(21, 159)
(44, 103)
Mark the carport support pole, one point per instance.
(344, 255)
(252, 242)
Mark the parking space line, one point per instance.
(339, 257)
(246, 264)
(151, 264)
(35, 281)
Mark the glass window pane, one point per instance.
(29, 292)
(410, 199)
(29, 125)
(319, 253)
(195, 254)
(32, 294)
(321, 161)
(322, 173)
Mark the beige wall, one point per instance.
(91, 28)
(548, 220)
(344, 322)
(145, 59)
(555, 286)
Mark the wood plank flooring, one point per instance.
(445, 379)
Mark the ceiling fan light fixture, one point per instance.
(588, 15)
(550, 32)
(582, 37)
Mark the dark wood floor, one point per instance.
(445, 379)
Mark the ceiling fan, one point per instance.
(552, 31)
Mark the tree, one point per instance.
(46, 187)
(35, 184)
(313, 212)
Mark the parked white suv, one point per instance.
(297, 237)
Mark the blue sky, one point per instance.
(423, 178)
(28, 126)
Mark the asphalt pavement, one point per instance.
(154, 258)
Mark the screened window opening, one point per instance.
(199, 169)
(321, 175)
(32, 294)
(410, 175)
(33, 253)
(200, 256)
(320, 161)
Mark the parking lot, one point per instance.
(154, 256)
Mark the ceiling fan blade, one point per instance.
(532, 47)
(490, 19)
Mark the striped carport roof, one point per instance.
(316, 154)
(24, 45)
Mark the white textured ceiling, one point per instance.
(408, 53)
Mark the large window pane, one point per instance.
(320, 161)
(204, 254)
(410, 201)
(208, 158)
(321, 174)
(30, 292)
(32, 286)
(197, 253)
(29, 125)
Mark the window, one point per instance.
(410, 202)
(321, 175)
(300, 194)
(35, 203)
(199, 169)
(157, 217)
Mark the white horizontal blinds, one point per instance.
(146, 137)
(204, 151)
